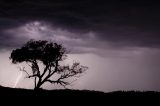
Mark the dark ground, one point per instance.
(6, 91)
(78, 96)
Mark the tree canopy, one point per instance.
(50, 54)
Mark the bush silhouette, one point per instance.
(50, 55)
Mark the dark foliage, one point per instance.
(50, 55)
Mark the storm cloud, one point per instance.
(118, 24)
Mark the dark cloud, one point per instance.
(121, 23)
(7, 41)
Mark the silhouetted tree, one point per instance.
(50, 55)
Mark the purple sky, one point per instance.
(118, 41)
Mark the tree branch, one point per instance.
(23, 70)
(50, 71)
(35, 65)
(45, 70)
(63, 83)
(29, 76)
(34, 75)
(55, 70)
(29, 64)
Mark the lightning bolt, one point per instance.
(18, 79)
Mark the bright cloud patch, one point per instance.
(43, 31)
(75, 42)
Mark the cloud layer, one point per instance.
(95, 23)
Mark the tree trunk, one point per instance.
(35, 83)
(38, 85)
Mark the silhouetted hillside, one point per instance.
(73, 97)
(5, 91)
